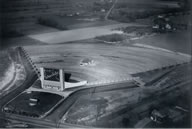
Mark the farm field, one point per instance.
(80, 34)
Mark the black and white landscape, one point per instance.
(120, 63)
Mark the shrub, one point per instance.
(51, 22)
(112, 38)
(10, 33)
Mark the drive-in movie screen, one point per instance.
(51, 74)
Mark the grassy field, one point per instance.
(177, 41)
(111, 108)
(4, 63)
(115, 108)
(183, 71)
(5, 60)
(92, 109)
(130, 11)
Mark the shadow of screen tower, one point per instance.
(67, 77)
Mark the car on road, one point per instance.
(159, 116)
(163, 115)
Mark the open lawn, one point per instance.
(93, 108)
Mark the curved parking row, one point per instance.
(112, 63)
